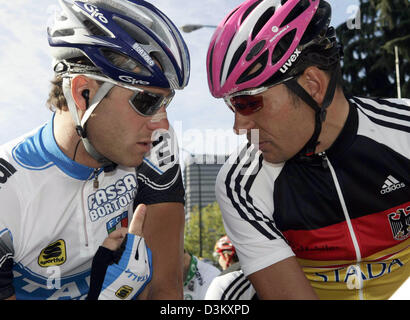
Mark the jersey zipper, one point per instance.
(84, 215)
(96, 184)
(354, 282)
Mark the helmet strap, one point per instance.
(320, 112)
(81, 124)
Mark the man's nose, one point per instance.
(159, 120)
(242, 124)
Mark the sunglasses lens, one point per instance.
(147, 103)
(247, 104)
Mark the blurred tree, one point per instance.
(212, 230)
(369, 59)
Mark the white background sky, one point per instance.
(25, 66)
(25, 72)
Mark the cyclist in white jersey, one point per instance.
(67, 186)
(231, 284)
(198, 275)
(317, 204)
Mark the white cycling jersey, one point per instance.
(56, 212)
(345, 215)
(231, 284)
(199, 277)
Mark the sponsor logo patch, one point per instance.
(118, 222)
(123, 292)
(53, 255)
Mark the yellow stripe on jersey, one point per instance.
(381, 274)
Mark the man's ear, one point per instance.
(80, 90)
(315, 83)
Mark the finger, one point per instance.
(118, 234)
(137, 221)
(114, 239)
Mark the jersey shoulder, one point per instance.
(159, 175)
(387, 121)
(231, 286)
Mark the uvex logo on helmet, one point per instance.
(95, 13)
(290, 61)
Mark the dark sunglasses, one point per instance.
(145, 103)
(249, 101)
(148, 103)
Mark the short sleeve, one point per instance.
(159, 176)
(244, 191)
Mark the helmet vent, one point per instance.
(227, 19)
(249, 10)
(296, 12)
(211, 75)
(224, 60)
(124, 62)
(255, 69)
(255, 50)
(237, 55)
(94, 29)
(319, 23)
(63, 33)
(262, 21)
(131, 30)
(283, 46)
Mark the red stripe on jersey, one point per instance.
(373, 232)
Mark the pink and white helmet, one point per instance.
(260, 41)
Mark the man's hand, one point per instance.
(122, 266)
(115, 238)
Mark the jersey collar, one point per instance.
(347, 135)
(54, 154)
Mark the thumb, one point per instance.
(138, 219)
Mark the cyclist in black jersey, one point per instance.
(317, 204)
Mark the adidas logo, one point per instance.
(391, 184)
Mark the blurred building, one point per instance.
(200, 173)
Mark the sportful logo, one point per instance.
(124, 292)
(95, 13)
(391, 184)
(290, 61)
(53, 255)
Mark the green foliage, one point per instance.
(369, 60)
(212, 230)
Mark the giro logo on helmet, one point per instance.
(95, 13)
(133, 81)
(290, 61)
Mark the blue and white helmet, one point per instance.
(125, 40)
(134, 29)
